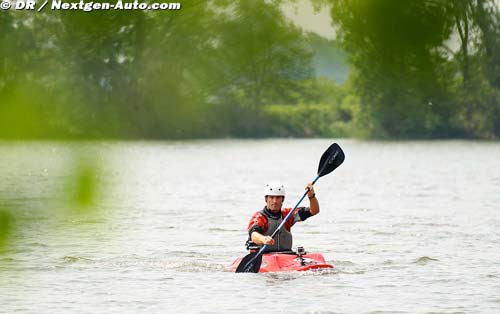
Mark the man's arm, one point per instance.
(260, 239)
(313, 201)
(257, 226)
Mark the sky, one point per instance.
(304, 15)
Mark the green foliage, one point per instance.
(411, 82)
(35, 186)
(261, 58)
(309, 121)
(324, 109)
(478, 86)
(262, 55)
(84, 187)
(391, 46)
(213, 68)
(6, 226)
(130, 74)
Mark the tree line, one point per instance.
(428, 68)
(218, 68)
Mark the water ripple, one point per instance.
(424, 260)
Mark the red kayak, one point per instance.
(287, 261)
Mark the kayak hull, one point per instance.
(285, 262)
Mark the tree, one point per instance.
(262, 57)
(411, 80)
(161, 74)
(477, 24)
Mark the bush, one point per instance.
(305, 120)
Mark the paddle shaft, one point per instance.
(286, 218)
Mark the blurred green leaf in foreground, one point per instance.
(6, 225)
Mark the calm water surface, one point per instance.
(412, 227)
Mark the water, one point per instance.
(412, 227)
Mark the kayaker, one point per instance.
(263, 223)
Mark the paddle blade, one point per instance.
(331, 159)
(250, 263)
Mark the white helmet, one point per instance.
(274, 189)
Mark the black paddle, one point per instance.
(330, 160)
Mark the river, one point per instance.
(412, 227)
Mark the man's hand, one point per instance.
(310, 192)
(313, 201)
(267, 240)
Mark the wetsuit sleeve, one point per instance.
(257, 223)
(300, 214)
(303, 213)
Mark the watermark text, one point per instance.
(60, 5)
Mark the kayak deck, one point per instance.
(287, 261)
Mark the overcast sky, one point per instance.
(302, 13)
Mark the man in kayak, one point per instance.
(263, 223)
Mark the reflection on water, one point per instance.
(412, 227)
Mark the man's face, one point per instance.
(274, 203)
